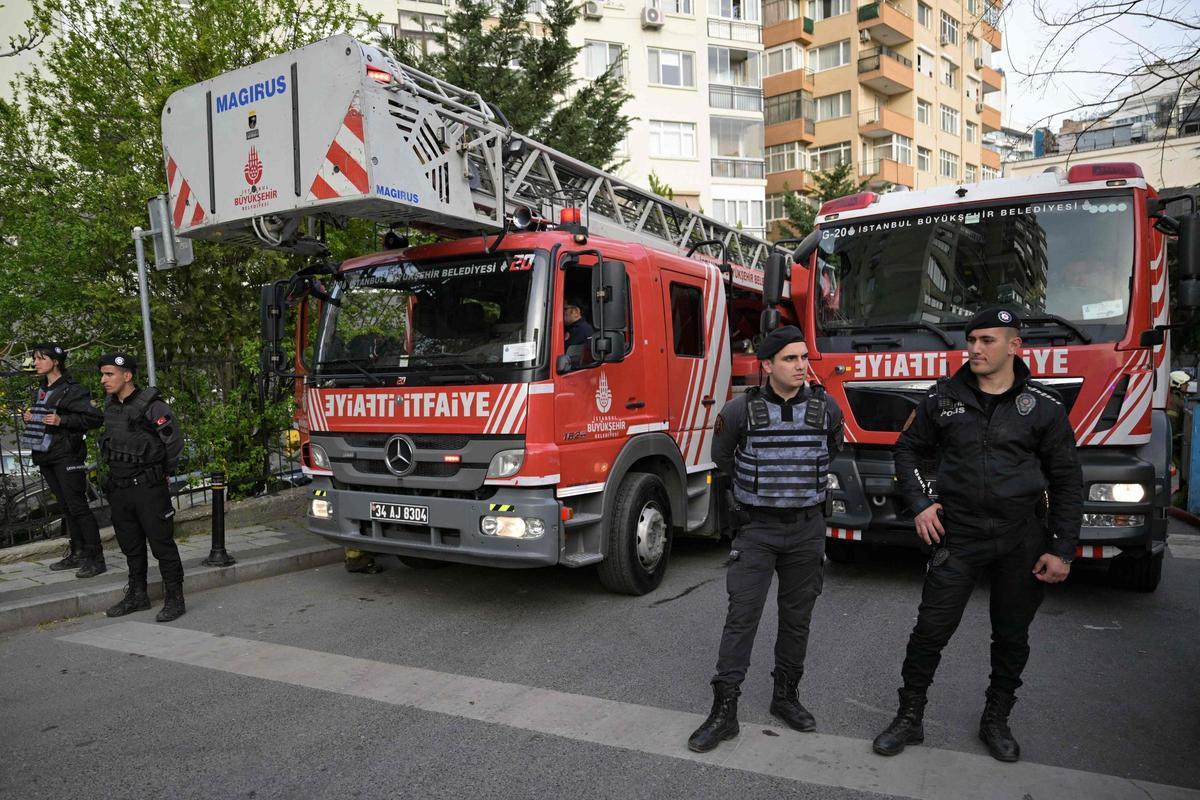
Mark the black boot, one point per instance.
(173, 605)
(722, 722)
(72, 560)
(92, 566)
(906, 728)
(993, 726)
(785, 703)
(135, 599)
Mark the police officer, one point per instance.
(576, 329)
(775, 445)
(56, 424)
(141, 446)
(1003, 441)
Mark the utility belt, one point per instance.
(787, 515)
(150, 477)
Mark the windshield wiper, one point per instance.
(375, 378)
(1057, 320)
(459, 362)
(900, 326)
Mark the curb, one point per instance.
(36, 610)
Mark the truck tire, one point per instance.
(841, 551)
(416, 562)
(637, 544)
(1139, 573)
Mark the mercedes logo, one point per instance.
(398, 455)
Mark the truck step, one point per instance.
(581, 559)
(582, 520)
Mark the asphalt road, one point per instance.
(1112, 686)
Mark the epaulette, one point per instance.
(1042, 391)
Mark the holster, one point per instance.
(738, 515)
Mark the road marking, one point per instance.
(1184, 547)
(922, 772)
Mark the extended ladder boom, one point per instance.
(339, 129)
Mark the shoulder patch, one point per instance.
(161, 421)
(719, 425)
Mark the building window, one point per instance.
(901, 148)
(923, 154)
(784, 58)
(970, 172)
(973, 7)
(677, 7)
(746, 10)
(949, 29)
(924, 110)
(925, 63)
(972, 132)
(734, 137)
(949, 72)
(949, 119)
(747, 213)
(776, 11)
(672, 139)
(672, 68)
(947, 164)
(974, 93)
(925, 15)
(833, 106)
(830, 56)
(599, 56)
(972, 46)
(788, 107)
(786, 157)
(990, 173)
(776, 208)
(731, 67)
(827, 157)
(824, 9)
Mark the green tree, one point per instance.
(492, 49)
(660, 187)
(802, 211)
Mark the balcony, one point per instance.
(988, 117)
(795, 130)
(737, 31)
(885, 170)
(885, 71)
(796, 80)
(799, 30)
(735, 98)
(880, 123)
(993, 79)
(793, 180)
(990, 34)
(742, 168)
(989, 158)
(888, 23)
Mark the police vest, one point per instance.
(130, 443)
(37, 436)
(783, 464)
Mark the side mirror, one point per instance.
(1188, 257)
(609, 310)
(1151, 338)
(769, 320)
(774, 274)
(271, 307)
(804, 251)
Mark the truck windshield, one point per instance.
(468, 320)
(1070, 259)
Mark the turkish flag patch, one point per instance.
(161, 421)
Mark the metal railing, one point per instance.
(873, 11)
(738, 168)
(871, 59)
(735, 98)
(737, 31)
(870, 116)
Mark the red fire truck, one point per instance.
(1082, 254)
(446, 411)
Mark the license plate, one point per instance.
(399, 512)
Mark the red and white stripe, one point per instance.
(1096, 551)
(315, 410)
(343, 172)
(187, 211)
(709, 377)
(509, 410)
(849, 534)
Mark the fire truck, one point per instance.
(447, 412)
(1082, 254)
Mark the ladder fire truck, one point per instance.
(1082, 254)
(445, 413)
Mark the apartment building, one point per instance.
(899, 88)
(694, 68)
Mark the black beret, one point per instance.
(778, 339)
(993, 318)
(122, 360)
(51, 350)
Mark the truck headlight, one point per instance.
(506, 463)
(321, 509)
(834, 483)
(320, 459)
(512, 527)
(1117, 492)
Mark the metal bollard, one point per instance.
(218, 556)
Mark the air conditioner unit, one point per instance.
(945, 40)
(979, 62)
(864, 35)
(652, 17)
(979, 108)
(592, 10)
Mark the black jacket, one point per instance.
(78, 415)
(157, 427)
(992, 473)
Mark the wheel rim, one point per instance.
(651, 536)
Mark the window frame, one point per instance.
(656, 80)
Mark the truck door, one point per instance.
(697, 355)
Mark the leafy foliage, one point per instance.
(802, 211)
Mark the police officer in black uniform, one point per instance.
(775, 444)
(1003, 442)
(141, 446)
(56, 424)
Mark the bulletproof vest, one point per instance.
(37, 436)
(783, 464)
(129, 443)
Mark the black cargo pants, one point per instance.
(1015, 597)
(144, 514)
(793, 547)
(68, 482)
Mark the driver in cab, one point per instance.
(577, 330)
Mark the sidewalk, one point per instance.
(31, 594)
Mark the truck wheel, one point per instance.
(842, 551)
(415, 562)
(637, 544)
(1139, 573)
